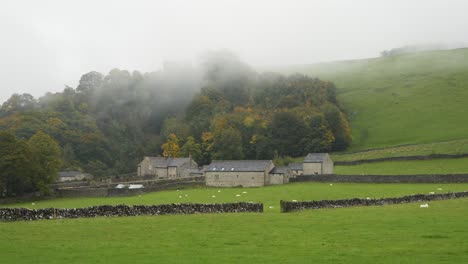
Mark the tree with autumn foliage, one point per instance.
(171, 148)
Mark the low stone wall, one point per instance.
(21, 214)
(105, 190)
(422, 178)
(287, 206)
(401, 158)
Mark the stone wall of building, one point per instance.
(277, 178)
(328, 166)
(287, 206)
(23, 214)
(310, 168)
(233, 179)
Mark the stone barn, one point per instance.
(245, 173)
(280, 175)
(317, 163)
(166, 167)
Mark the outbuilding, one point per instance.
(317, 163)
(280, 175)
(66, 176)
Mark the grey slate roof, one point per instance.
(69, 174)
(239, 165)
(295, 166)
(164, 162)
(279, 170)
(315, 157)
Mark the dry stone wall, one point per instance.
(287, 206)
(24, 214)
(423, 178)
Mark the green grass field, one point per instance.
(408, 99)
(435, 166)
(389, 234)
(270, 195)
(449, 147)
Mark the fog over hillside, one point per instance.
(49, 44)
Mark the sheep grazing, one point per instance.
(432, 193)
(180, 196)
(213, 196)
(244, 192)
(33, 203)
(331, 184)
(271, 207)
(238, 195)
(294, 200)
(219, 190)
(424, 206)
(439, 189)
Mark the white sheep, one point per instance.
(213, 196)
(431, 192)
(238, 195)
(424, 206)
(244, 192)
(439, 189)
(331, 184)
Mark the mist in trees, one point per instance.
(218, 109)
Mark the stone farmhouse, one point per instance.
(317, 163)
(245, 173)
(166, 167)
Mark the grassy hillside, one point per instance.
(449, 147)
(435, 166)
(388, 234)
(408, 99)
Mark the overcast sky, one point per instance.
(48, 44)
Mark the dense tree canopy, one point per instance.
(222, 109)
(27, 166)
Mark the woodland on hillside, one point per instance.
(221, 109)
